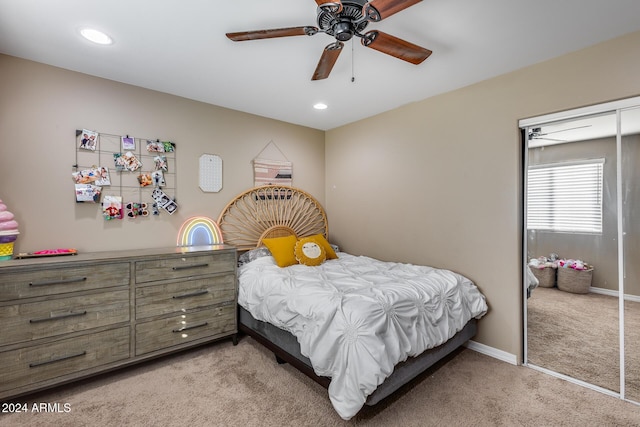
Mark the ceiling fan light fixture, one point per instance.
(320, 106)
(343, 31)
(95, 36)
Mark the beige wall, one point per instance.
(438, 182)
(42, 106)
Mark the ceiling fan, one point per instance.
(343, 20)
(536, 133)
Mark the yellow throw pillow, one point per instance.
(282, 249)
(309, 251)
(331, 254)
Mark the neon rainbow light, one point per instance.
(199, 230)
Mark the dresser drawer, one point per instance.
(45, 280)
(30, 321)
(181, 266)
(180, 329)
(184, 295)
(31, 365)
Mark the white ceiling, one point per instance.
(179, 47)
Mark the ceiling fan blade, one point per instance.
(327, 60)
(391, 45)
(334, 6)
(377, 10)
(269, 34)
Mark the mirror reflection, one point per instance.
(572, 249)
(630, 154)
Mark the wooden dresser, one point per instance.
(69, 317)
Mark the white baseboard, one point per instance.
(492, 352)
(613, 293)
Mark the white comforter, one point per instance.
(357, 317)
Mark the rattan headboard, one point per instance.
(271, 211)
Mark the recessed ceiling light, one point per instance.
(95, 36)
(320, 106)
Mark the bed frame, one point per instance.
(287, 350)
(276, 211)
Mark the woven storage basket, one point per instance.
(546, 276)
(575, 281)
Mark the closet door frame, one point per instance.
(609, 107)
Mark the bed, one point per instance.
(359, 326)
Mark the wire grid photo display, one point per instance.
(132, 183)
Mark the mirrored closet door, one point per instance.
(581, 246)
(630, 179)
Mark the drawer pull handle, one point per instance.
(59, 316)
(185, 267)
(59, 359)
(58, 282)
(185, 328)
(192, 294)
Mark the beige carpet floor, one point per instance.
(578, 335)
(223, 385)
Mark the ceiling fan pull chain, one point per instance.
(353, 78)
